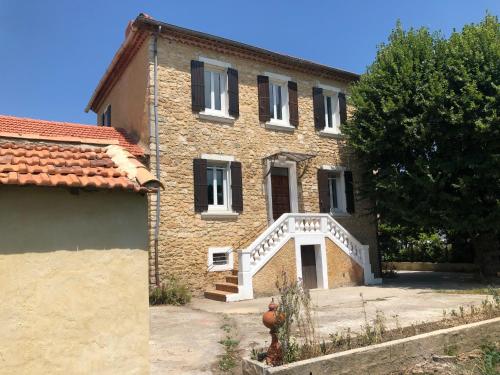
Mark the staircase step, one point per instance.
(232, 279)
(234, 272)
(217, 295)
(227, 287)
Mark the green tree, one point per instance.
(426, 126)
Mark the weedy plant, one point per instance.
(229, 359)
(295, 310)
(170, 292)
(489, 363)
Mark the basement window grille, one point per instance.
(219, 259)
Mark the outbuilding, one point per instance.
(73, 249)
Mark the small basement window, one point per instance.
(220, 259)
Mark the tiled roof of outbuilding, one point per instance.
(35, 163)
(67, 132)
(46, 153)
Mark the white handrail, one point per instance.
(304, 223)
(287, 226)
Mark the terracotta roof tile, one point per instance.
(67, 132)
(42, 164)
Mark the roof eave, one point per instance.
(152, 25)
(121, 59)
(144, 25)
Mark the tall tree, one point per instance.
(426, 125)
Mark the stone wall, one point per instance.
(342, 269)
(73, 274)
(390, 357)
(185, 236)
(264, 281)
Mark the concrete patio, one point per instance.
(185, 339)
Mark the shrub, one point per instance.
(170, 292)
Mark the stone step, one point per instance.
(232, 279)
(217, 295)
(227, 287)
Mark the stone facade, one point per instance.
(185, 236)
(264, 281)
(342, 269)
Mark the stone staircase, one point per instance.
(302, 227)
(223, 291)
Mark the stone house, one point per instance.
(258, 176)
(73, 250)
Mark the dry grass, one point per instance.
(299, 340)
(484, 291)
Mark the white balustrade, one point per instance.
(288, 226)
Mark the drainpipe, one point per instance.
(157, 155)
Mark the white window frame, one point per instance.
(334, 127)
(333, 92)
(341, 198)
(226, 185)
(284, 123)
(215, 66)
(221, 212)
(220, 267)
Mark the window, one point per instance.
(334, 198)
(106, 117)
(217, 185)
(215, 91)
(220, 259)
(332, 113)
(278, 102)
(336, 192)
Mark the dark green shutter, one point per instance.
(293, 103)
(319, 108)
(197, 86)
(349, 192)
(232, 91)
(342, 108)
(200, 185)
(323, 191)
(108, 116)
(263, 92)
(236, 186)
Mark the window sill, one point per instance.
(219, 215)
(223, 268)
(280, 126)
(331, 134)
(216, 117)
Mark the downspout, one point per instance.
(157, 155)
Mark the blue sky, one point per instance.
(54, 52)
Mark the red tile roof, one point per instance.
(68, 132)
(42, 164)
